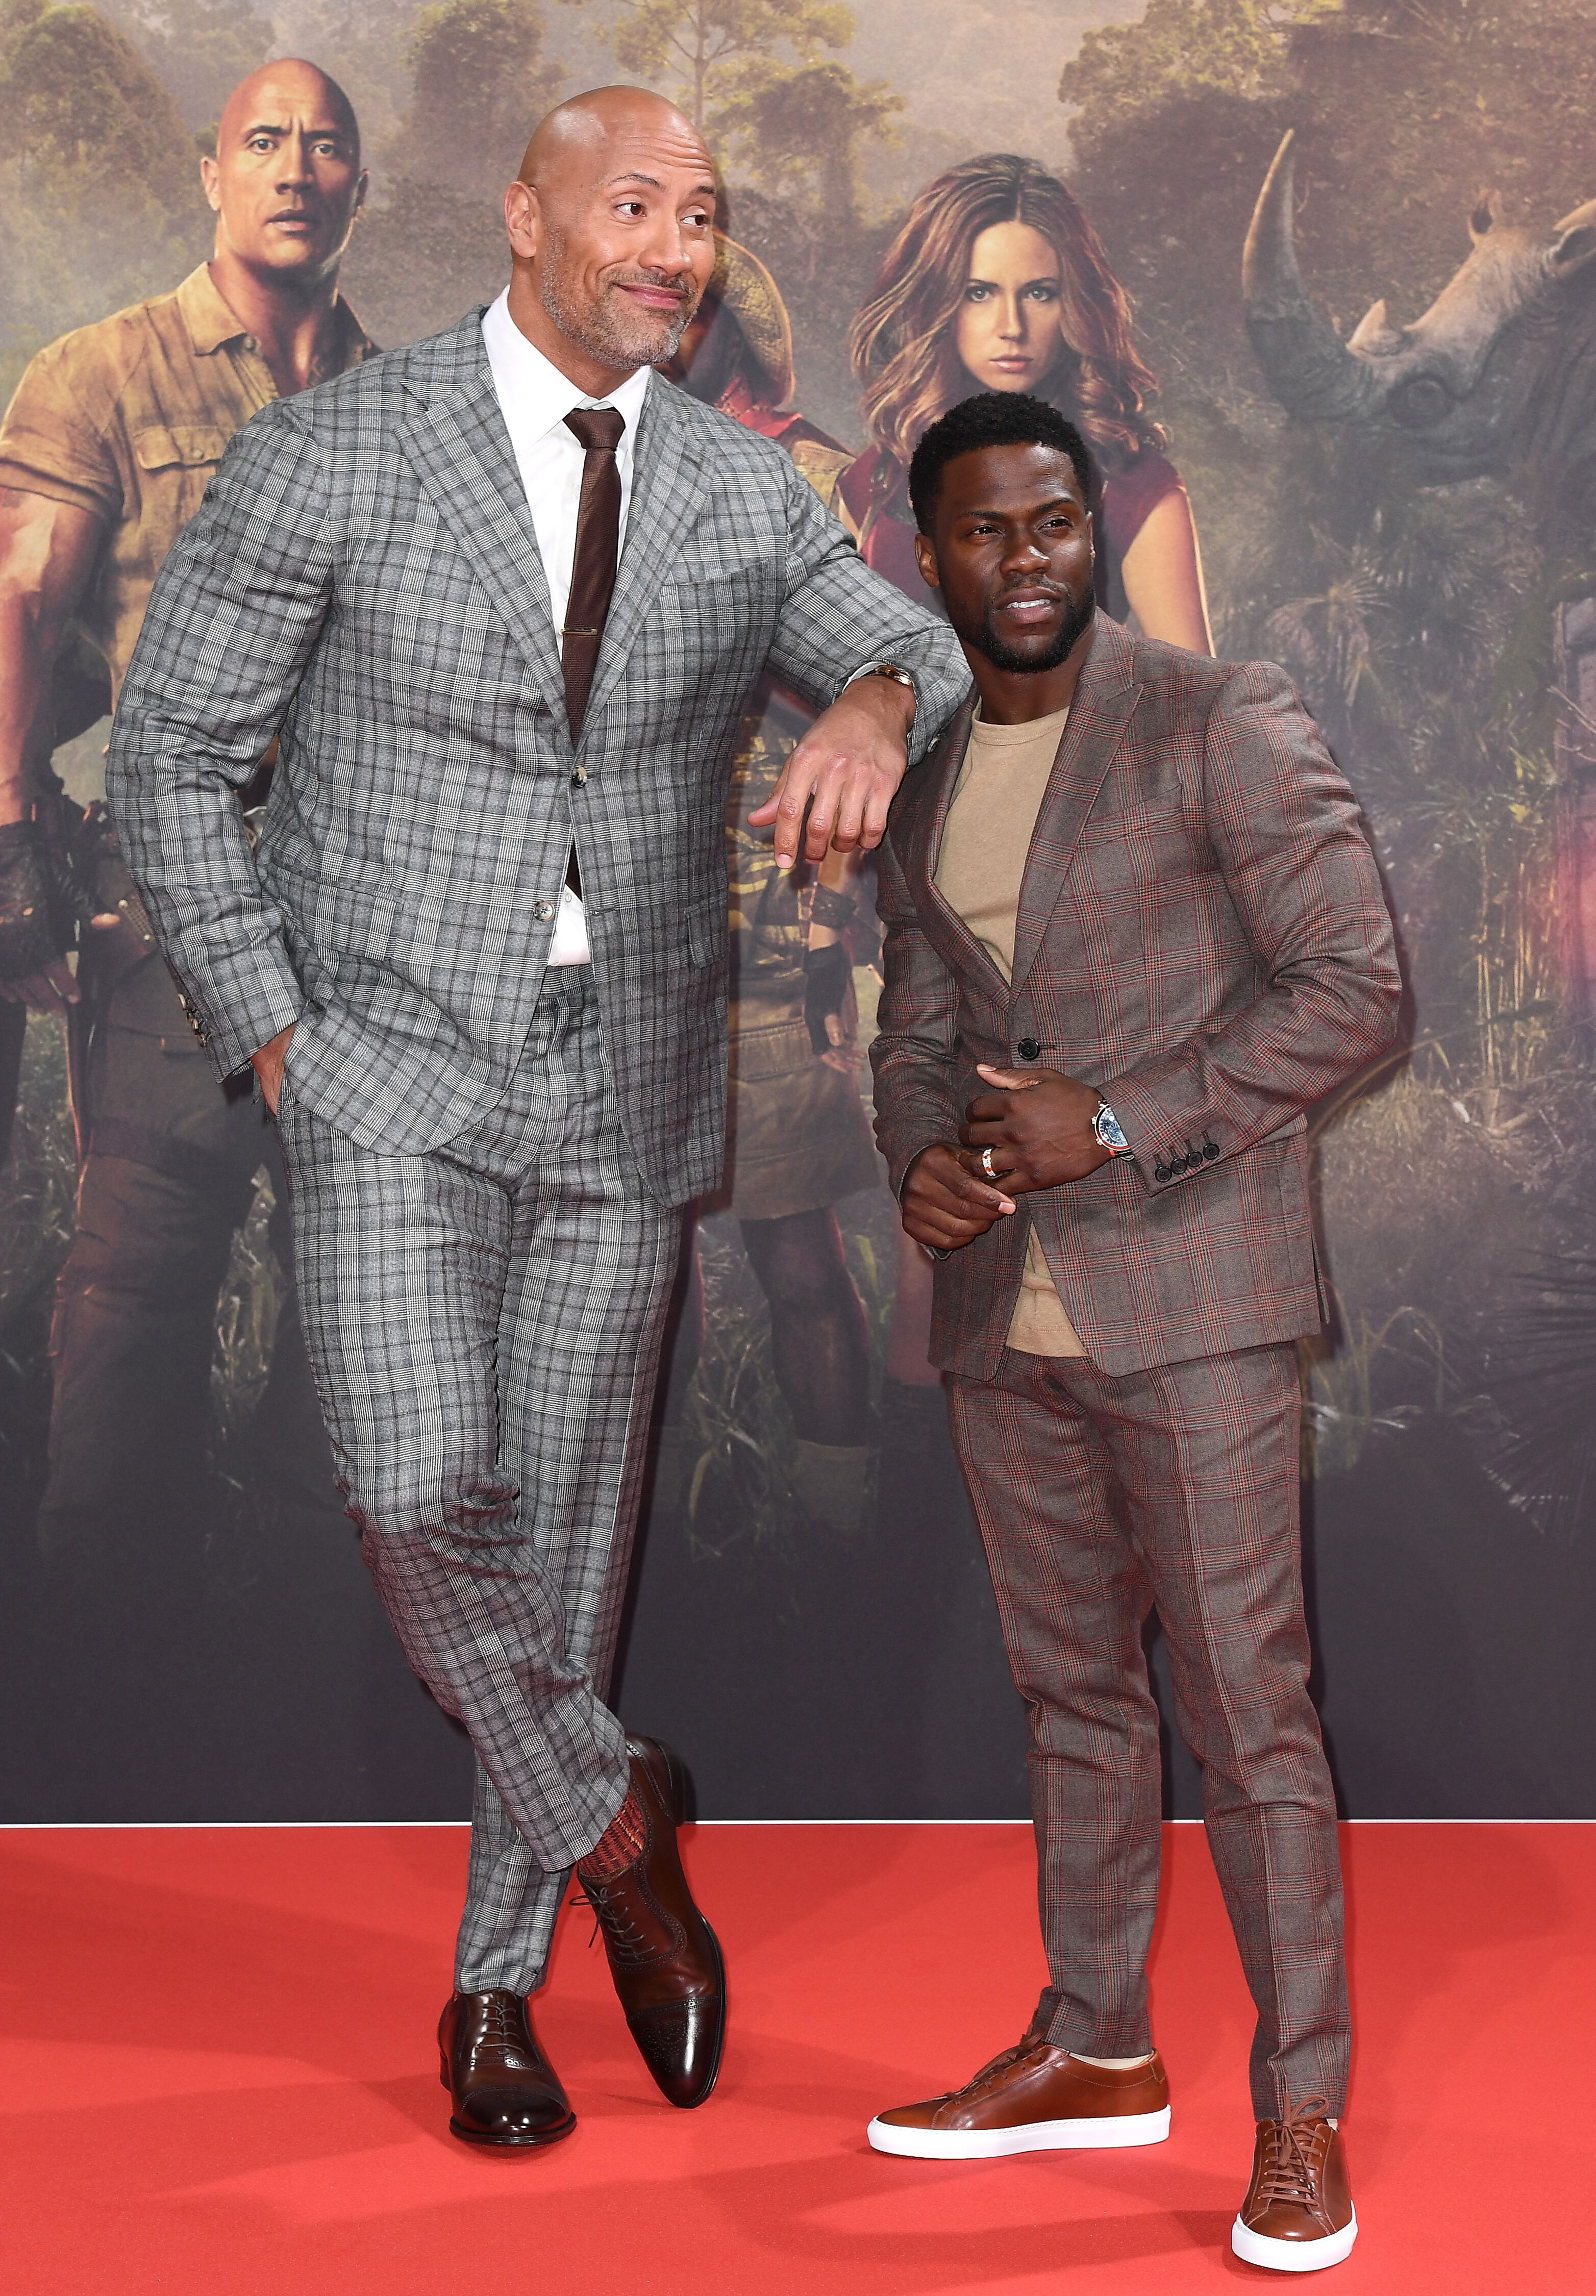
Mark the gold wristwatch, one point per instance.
(891, 669)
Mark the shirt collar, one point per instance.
(543, 395)
(210, 321)
(212, 324)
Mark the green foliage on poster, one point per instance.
(702, 51)
(480, 81)
(99, 176)
(200, 49)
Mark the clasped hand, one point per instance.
(1038, 1126)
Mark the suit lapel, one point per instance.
(460, 450)
(668, 483)
(1105, 697)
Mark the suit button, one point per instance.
(1027, 1048)
(543, 911)
(1161, 1172)
(579, 777)
(1210, 1151)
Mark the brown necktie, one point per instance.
(592, 568)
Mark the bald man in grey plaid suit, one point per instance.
(479, 959)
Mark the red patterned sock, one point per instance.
(621, 1844)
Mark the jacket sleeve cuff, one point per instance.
(939, 687)
(246, 998)
(1166, 1148)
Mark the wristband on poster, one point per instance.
(834, 912)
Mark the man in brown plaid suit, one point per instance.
(1133, 926)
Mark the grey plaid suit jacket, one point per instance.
(1202, 935)
(363, 581)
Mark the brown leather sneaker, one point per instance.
(1033, 2098)
(503, 2089)
(1297, 2216)
(663, 1955)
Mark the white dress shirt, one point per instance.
(534, 398)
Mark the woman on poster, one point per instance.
(997, 282)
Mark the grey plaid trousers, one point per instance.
(1098, 1497)
(484, 1323)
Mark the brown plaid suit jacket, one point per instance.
(1203, 935)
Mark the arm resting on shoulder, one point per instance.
(838, 616)
(234, 616)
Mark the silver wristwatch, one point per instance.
(1107, 1129)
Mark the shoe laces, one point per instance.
(991, 2074)
(501, 2026)
(628, 1939)
(1295, 2149)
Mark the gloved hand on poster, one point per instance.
(27, 944)
(42, 904)
(830, 1007)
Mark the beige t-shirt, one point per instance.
(986, 843)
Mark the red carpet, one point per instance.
(218, 2077)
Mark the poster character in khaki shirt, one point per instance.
(105, 452)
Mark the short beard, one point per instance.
(600, 328)
(988, 640)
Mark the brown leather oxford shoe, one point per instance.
(663, 1955)
(1032, 2098)
(503, 2089)
(1297, 2216)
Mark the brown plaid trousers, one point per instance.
(1202, 934)
(1098, 1498)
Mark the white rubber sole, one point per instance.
(1030, 2136)
(1294, 2255)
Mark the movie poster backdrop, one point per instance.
(1318, 280)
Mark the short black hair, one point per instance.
(993, 418)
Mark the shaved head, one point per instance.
(286, 181)
(611, 226)
(278, 90)
(585, 133)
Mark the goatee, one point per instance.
(605, 330)
(988, 639)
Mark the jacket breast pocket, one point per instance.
(709, 602)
